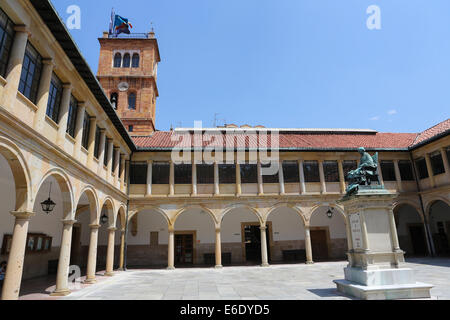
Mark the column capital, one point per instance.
(112, 228)
(149, 161)
(171, 229)
(218, 230)
(23, 215)
(94, 226)
(49, 62)
(21, 28)
(67, 86)
(263, 228)
(68, 222)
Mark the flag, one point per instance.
(111, 23)
(121, 25)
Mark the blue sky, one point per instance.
(289, 63)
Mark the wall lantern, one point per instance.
(48, 205)
(104, 218)
(330, 213)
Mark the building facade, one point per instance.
(169, 199)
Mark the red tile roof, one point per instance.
(303, 140)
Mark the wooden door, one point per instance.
(184, 249)
(319, 245)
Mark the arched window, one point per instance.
(117, 60)
(135, 63)
(126, 60)
(132, 101)
(114, 100)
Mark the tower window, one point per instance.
(130, 128)
(132, 101)
(114, 100)
(117, 60)
(126, 60)
(135, 62)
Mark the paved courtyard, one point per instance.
(287, 282)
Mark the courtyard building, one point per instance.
(90, 144)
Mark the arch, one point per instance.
(159, 210)
(126, 60)
(189, 207)
(331, 205)
(404, 202)
(93, 203)
(20, 172)
(65, 187)
(117, 60)
(135, 61)
(121, 216)
(109, 203)
(241, 206)
(433, 201)
(290, 206)
(132, 98)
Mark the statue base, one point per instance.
(375, 270)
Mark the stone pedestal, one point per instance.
(375, 270)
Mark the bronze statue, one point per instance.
(365, 174)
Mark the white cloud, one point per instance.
(392, 112)
(375, 118)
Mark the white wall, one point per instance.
(336, 224)
(231, 224)
(286, 225)
(200, 221)
(406, 214)
(149, 221)
(7, 198)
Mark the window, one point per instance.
(311, 171)
(205, 174)
(126, 60)
(227, 173)
(72, 117)
(437, 164)
(269, 178)
(183, 174)
(114, 160)
(290, 172)
(105, 157)
(54, 98)
(422, 168)
(348, 165)
(97, 142)
(448, 154)
(120, 166)
(331, 171)
(117, 60)
(114, 100)
(86, 128)
(249, 173)
(388, 170)
(138, 173)
(406, 171)
(132, 101)
(31, 73)
(6, 41)
(135, 62)
(160, 173)
(130, 128)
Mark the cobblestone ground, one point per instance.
(285, 282)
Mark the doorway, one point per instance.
(184, 249)
(319, 244)
(252, 241)
(418, 241)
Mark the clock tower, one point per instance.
(127, 71)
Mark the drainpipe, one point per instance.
(128, 204)
(425, 220)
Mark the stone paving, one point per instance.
(286, 282)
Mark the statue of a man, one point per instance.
(366, 161)
(365, 173)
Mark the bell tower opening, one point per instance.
(127, 71)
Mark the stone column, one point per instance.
(281, 178)
(172, 179)
(92, 255)
(302, 177)
(380, 173)
(238, 180)
(323, 186)
(308, 247)
(216, 178)
(171, 249)
(91, 141)
(365, 237)
(398, 177)
(260, 179)
(101, 151)
(116, 165)
(122, 173)
(394, 236)
(148, 192)
(430, 170)
(109, 159)
(43, 94)
(62, 285)
(122, 249)
(445, 160)
(14, 68)
(13, 276)
(264, 260)
(64, 114)
(194, 179)
(341, 176)
(79, 129)
(218, 250)
(110, 252)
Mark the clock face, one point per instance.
(123, 86)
